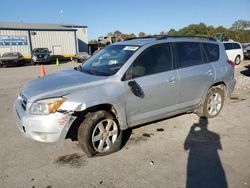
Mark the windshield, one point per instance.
(40, 50)
(109, 60)
(10, 55)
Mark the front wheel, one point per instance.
(99, 134)
(213, 103)
(237, 60)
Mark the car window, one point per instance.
(154, 59)
(212, 51)
(236, 46)
(40, 50)
(108, 60)
(228, 46)
(188, 54)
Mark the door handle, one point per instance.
(209, 72)
(172, 80)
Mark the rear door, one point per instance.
(154, 74)
(194, 71)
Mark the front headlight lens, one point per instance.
(46, 106)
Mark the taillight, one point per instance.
(231, 63)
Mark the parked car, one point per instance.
(234, 52)
(246, 51)
(11, 58)
(40, 55)
(123, 85)
(81, 56)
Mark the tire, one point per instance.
(237, 60)
(94, 136)
(212, 104)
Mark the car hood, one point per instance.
(58, 84)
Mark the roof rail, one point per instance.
(186, 36)
(146, 37)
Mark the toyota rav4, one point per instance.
(126, 84)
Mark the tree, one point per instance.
(163, 33)
(241, 25)
(172, 32)
(93, 42)
(141, 34)
(118, 33)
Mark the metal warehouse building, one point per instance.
(62, 39)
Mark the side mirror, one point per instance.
(50, 52)
(136, 89)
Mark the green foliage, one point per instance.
(93, 42)
(141, 34)
(238, 32)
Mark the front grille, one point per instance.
(23, 101)
(40, 56)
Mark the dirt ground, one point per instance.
(182, 151)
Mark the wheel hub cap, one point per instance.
(104, 135)
(214, 104)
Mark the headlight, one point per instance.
(46, 106)
(46, 56)
(34, 58)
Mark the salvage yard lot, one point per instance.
(166, 153)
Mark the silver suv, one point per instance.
(123, 85)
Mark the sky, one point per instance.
(127, 16)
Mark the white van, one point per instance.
(234, 52)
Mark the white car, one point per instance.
(234, 52)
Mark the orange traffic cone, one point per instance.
(42, 71)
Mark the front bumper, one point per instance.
(50, 128)
(15, 62)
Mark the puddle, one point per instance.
(73, 160)
(135, 140)
(146, 135)
(160, 130)
(236, 99)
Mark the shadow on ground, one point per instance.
(204, 168)
(246, 72)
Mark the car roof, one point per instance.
(137, 42)
(144, 41)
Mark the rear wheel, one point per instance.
(99, 134)
(213, 103)
(237, 60)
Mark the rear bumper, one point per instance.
(50, 128)
(230, 87)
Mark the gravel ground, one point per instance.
(166, 153)
(243, 82)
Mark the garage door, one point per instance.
(57, 50)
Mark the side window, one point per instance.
(153, 60)
(212, 51)
(236, 46)
(188, 54)
(228, 46)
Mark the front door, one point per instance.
(157, 81)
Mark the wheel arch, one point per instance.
(115, 110)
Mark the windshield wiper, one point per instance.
(97, 73)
